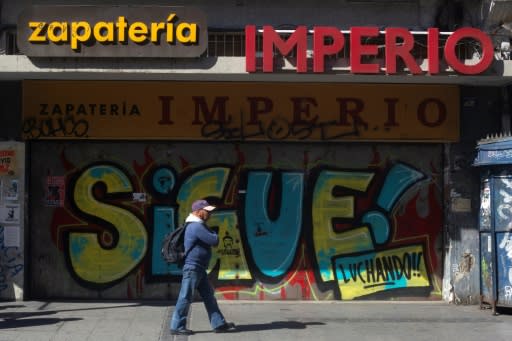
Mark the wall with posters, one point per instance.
(296, 221)
(12, 260)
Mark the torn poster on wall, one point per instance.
(7, 162)
(55, 191)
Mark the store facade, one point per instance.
(337, 176)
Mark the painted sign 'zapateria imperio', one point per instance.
(112, 31)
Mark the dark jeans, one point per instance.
(195, 278)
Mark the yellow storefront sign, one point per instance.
(239, 111)
(112, 31)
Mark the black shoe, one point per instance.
(225, 328)
(181, 332)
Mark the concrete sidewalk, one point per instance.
(149, 320)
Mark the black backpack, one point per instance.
(173, 246)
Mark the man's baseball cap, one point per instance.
(202, 205)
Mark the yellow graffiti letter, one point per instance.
(230, 251)
(326, 206)
(90, 261)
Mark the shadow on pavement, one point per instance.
(19, 315)
(108, 304)
(95, 308)
(31, 322)
(242, 328)
(115, 304)
(17, 319)
(11, 306)
(504, 310)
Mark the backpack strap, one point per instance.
(187, 251)
(195, 243)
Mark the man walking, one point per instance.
(199, 239)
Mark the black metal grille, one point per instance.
(232, 44)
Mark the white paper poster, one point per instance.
(7, 162)
(10, 189)
(10, 214)
(11, 236)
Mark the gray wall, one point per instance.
(481, 110)
(237, 13)
(10, 109)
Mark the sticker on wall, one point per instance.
(461, 205)
(10, 189)
(7, 162)
(55, 191)
(10, 214)
(11, 236)
(139, 197)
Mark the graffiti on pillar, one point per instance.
(11, 263)
(316, 233)
(503, 224)
(504, 266)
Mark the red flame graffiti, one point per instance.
(62, 220)
(68, 166)
(411, 226)
(148, 160)
(184, 163)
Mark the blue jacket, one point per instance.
(199, 240)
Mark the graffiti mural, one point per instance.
(296, 225)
